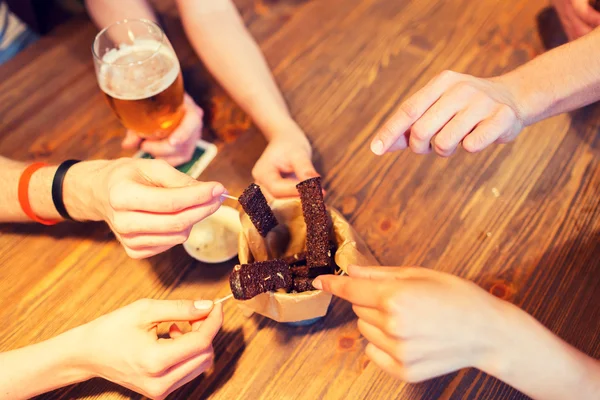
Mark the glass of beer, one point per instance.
(139, 73)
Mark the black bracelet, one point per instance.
(57, 187)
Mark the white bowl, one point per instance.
(215, 239)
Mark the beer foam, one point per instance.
(138, 71)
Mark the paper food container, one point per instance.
(289, 238)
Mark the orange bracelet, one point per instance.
(24, 193)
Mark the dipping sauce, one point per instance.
(215, 239)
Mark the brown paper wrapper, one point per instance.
(289, 238)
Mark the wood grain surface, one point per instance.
(522, 220)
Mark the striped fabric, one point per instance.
(14, 34)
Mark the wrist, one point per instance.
(284, 129)
(79, 190)
(498, 329)
(75, 362)
(531, 101)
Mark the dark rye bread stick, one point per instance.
(249, 280)
(299, 267)
(303, 285)
(318, 253)
(255, 205)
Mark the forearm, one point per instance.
(42, 367)
(106, 12)
(558, 81)
(221, 39)
(76, 191)
(533, 360)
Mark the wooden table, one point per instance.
(522, 220)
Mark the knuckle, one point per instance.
(466, 89)
(410, 109)
(443, 149)
(172, 204)
(116, 198)
(121, 225)
(446, 75)
(506, 112)
(151, 366)
(156, 390)
(132, 253)
(179, 225)
(143, 305)
(399, 352)
(472, 145)
(181, 237)
(392, 326)
(419, 131)
(409, 374)
(391, 304)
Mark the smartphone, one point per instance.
(204, 153)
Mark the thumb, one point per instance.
(156, 311)
(303, 168)
(131, 141)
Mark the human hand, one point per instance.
(452, 109)
(179, 147)
(577, 17)
(149, 205)
(286, 161)
(419, 323)
(123, 346)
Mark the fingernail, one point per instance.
(218, 190)
(377, 147)
(317, 284)
(203, 305)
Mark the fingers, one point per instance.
(586, 13)
(163, 148)
(303, 168)
(152, 312)
(162, 174)
(212, 324)
(131, 141)
(141, 241)
(371, 316)
(269, 177)
(463, 123)
(393, 131)
(361, 292)
(190, 125)
(204, 363)
(175, 376)
(179, 147)
(385, 273)
(164, 200)
(487, 132)
(573, 25)
(194, 342)
(174, 331)
(145, 252)
(434, 120)
(173, 155)
(383, 360)
(130, 225)
(396, 348)
(418, 372)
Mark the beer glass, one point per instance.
(139, 73)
